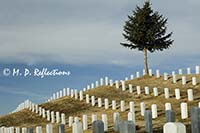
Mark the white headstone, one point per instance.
(188, 70)
(190, 94)
(184, 111)
(11, 130)
(142, 108)
(61, 93)
(92, 85)
(194, 81)
(174, 127)
(93, 100)
(49, 128)
(76, 119)
(63, 121)
(70, 121)
(72, 93)
(173, 73)
(87, 98)
(105, 121)
(183, 80)
(88, 87)
(68, 91)
(2, 130)
(132, 77)
(137, 74)
(64, 92)
(77, 127)
(132, 106)
(106, 103)
(166, 91)
(117, 84)
(43, 113)
(33, 107)
(131, 116)
(106, 80)
(36, 109)
(155, 91)
(123, 86)
(111, 82)
(97, 83)
(126, 78)
(116, 117)
(94, 118)
(168, 106)
(197, 69)
(52, 117)
(154, 111)
(57, 117)
(81, 95)
(157, 74)
(85, 122)
(99, 102)
(180, 71)
(113, 105)
(57, 95)
(17, 130)
(146, 90)
(150, 72)
(165, 76)
(122, 106)
(54, 96)
(75, 94)
(174, 78)
(177, 94)
(143, 72)
(24, 130)
(48, 115)
(101, 81)
(39, 129)
(130, 86)
(138, 90)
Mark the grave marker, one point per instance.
(127, 127)
(174, 127)
(105, 122)
(98, 126)
(148, 121)
(184, 110)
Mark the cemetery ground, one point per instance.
(72, 107)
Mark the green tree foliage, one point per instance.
(145, 30)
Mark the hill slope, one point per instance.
(72, 107)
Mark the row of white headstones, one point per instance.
(68, 91)
(42, 112)
(131, 114)
(73, 93)
(170, 127)
(75, 122)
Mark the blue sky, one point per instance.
(84, 37)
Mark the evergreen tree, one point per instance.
(145, 30)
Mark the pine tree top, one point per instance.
(146, 29)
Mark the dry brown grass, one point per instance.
(23, 118)
(73, 107)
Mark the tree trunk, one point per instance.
(146, 69)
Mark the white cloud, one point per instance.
(42, 34)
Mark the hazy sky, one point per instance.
(87, 32)
(84, 35)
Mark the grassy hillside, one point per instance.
(24, 118)
(72, 107)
